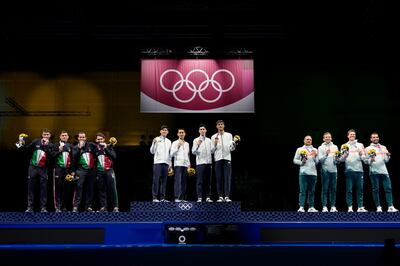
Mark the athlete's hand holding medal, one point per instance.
(81, 144)
(61, 147)
(180, 143)
(216, 140)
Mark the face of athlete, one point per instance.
(202, 131)
(164, 132)
(221, 127)
(46, 135)
(307, 140)
(100, 139)
(181, 134)
(351, 136)
(375, 138)
(327, 138)
(82, 137)
(64, 137)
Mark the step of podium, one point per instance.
(190, 206)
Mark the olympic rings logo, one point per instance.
(192, 87)
(182, 239)
(185, 206)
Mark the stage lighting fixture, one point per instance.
(240, 52)
(198, 51)
(156, 51)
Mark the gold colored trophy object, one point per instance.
(113, 141)
(170, 172)
(69, 178)
(191, 171)
(236, 138)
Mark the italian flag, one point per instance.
(39, 158)
(103, 163)
(64, 159)
(86, 160)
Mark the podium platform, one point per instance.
(198, 234)
(149, 223)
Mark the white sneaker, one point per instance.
(361, 209)
(177, 200)
(350, 209)
(199, 200)
(312, 209)
(156, 200)
(324, 209)
(392, 209)
(301, 209)
(102, 209)
(208, 200)
(379, 209)
(333, 209)
(221, 199)
(227, 199)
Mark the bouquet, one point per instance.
(113, 141)
(303, 154)
(23, 136)
(170, 172)
(372, 153)
(21, 140)
(191, 171)
(69, 178)
(344, 148)
(338, 155)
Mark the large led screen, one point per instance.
(197, 85)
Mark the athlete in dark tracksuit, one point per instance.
(61, 168)
(83, 155)
(105, 155)
(42, 150)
